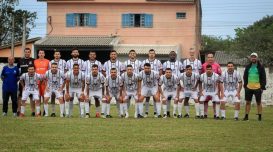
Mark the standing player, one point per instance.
(61, 64)
(130, 80)
(54, 80)
(23, 68)
(216, 69)
(94, 87)
(210, 86)
(136, 64)
(88, 68)
(176, 67)
(113, 86)
(41, 66)
(156, 66)
(190, 81)
(170, 88)
(29, 82)
(232, 88)
(149, 79)
(74, 86)
(69, 67)
(113, 63)
(196, 68)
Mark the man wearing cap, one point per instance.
(254, 84)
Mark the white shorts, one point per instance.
(56, 92)
(232, 95)
(73, 91)
(168, 94)
(131, 94)
(95, 94)
(147, 92)
(189, 94)
(213, 95)
(26, 94)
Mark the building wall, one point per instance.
(17, 51)
(166, 28)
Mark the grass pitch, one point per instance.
(149, 134)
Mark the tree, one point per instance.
(255, 38)
(7, 11)
(212, 43)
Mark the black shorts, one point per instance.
(256, 92)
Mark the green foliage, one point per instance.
(256, 38)
(7, 11)
(212, 43)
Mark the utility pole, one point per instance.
(24, 35)
(12, 37)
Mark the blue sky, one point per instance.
(220, 17)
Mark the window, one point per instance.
(137, 20)
(81, 19)
(180, 15)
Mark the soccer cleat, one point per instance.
(38, 114)
(81, 116)
(109, 116)
(217, 118)
(14, 114)
(259, 118)
(159, 116)
(197, 117)
(97, 115)
(223, 118)
(61, 115)
(245, 119)
(202, 117)
(139, 116)
(44, 113)
(155, 115)
(67, 116)
(186, 116)
(4, 114)
(33, 114)
(205, 116)
(21, 115)
(126, 115)
(87, 115)
(179, 116)
(121, 116)
(53, 115)
(214, 116)
(236, 119)
(164, 116)
(168, 114)
(174, 115)
(103, 116)
(146, 115)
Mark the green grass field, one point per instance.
(149, 134)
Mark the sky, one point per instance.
(220, 17)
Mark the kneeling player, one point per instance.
(190, 82)
(149, 79)
(113, 86)
(74, 86)
(209, 87)
(94, 87)
(170, 85)
(54, 79)
(232, 87)
(129, 79)
(29, 82)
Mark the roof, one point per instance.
(143, 49)
(76, 41)
(32, 40)
(223, 58)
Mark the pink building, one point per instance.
(102, 25)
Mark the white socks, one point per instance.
(164, 109)
(23, 109)
(107, 108)
(140, 108)
(46, 109)
(168, 105)
(82, 105)
(61, 109)
(217, 110)
(71, 107)
(223, 113)
(103, 108)
(38, 109)
(179, 108)
(86, 107)
(158, 108)
(187, 108)
(236, 113)
(196, 106)
(67, 107)
(201, 106)
(175, 108)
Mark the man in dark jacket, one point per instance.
(254, 84)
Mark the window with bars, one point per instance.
(137, 20)
(81, 19)
(181, 15)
